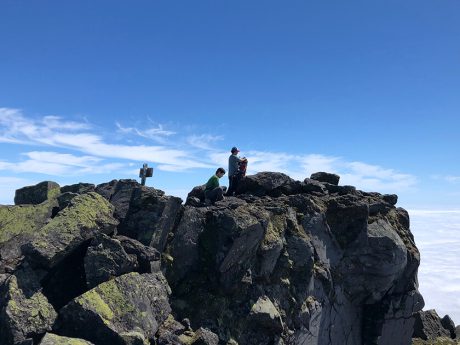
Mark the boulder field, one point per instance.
(282, 262)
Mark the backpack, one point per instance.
(242, 166)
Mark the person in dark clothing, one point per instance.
(234, 173)
(213, 191)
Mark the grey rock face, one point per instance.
(337, 273)
(184, 248)
(35, 194)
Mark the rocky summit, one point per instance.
(282, 262)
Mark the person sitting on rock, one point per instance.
(213, 191)
(234, 173)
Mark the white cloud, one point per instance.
(58, 164)
(64, 134)
(204, 141)
(157, 133)
(451, 178)
(63, 158)
(55, 122)
(53, 131)
(448, 178)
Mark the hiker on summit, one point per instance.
(213, 191)
(234, 172)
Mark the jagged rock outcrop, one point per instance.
(428, 326)
(283, 262)
(145, 214)
(449, 325)
(319, 254)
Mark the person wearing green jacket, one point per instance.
(213, 191)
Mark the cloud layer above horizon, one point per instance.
(72, 148)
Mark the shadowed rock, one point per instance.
(36, 194)
(105, 259)
(25, 312)
(145, 213)
(79, 188)
(265, 315)
(311, 185)
(326, 177)
(268, 183)
(18, 225)
(449, 325)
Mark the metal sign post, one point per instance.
(145, 172)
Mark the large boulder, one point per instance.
(370, 258)
(87, 215)
(119, 311)
(347, 217)
(204, 336)
(18, 225)
(105, 259)
(268, 183)
(36, 194)
(25, 312)
(326, 177)
(183, 249)
(265, 315)
(144, 213)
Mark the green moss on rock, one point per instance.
(26, 314)
(53, 339)
(107, 301)
(86, 215)
(86, 211)
(24, 219)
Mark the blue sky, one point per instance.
(90, 90)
